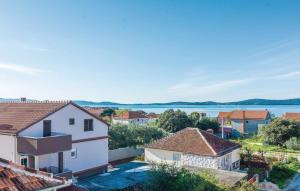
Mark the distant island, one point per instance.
(295, 101)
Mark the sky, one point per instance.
(142, 51)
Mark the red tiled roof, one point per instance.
(94, 110)
(130, 115)
(153, 115)
(16, 116)
(19, 181)
(245, 114)
(72, 188)
(292, 116)
(194, 141)
(224, 114)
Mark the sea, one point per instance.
(210, 110)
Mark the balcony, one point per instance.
(44, 145)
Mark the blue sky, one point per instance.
(150, 51)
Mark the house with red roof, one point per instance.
(195, 148)
(131, 117)
(291, 116)
(58, 137)
(245, 121)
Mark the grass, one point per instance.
(282, 172)
(255, 144)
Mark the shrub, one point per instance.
(281, 172)
(293, 143)
(280, 131)
(165, 177)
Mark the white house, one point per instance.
(57, 137)
(194, 147)
(130, 117)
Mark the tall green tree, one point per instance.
(173, 121)
(130, 136)
(280, 131)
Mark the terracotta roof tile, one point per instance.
(245, 114)
(130, 115)
(72, 188)
(15, 116)
(292, 116)
(194, 141)
(19, 181)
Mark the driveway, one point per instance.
(121, 176)
(294, 185)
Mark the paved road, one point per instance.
(294, 184)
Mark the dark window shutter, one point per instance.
(86, 125)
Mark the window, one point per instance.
(47, 128)
(71, 121)
(24, 161)
(88, 125)
(74, 153)
(176, 156)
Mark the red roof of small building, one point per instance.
(245, 114)
(130, 115)
(292, 116)
(195, 141)
(22, 180)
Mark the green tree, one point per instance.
(280, 131)
(131, 136)
(207, 123)
(107, 112)
(173, 121)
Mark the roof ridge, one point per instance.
(170, 135)
(37, 101)
(200, 133)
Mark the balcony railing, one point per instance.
(44, 145)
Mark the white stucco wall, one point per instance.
(200, 161)
(60, 124)
(162, 156)
(138, 121)
(89, 153)
(8, 147)
(159, 156)
(235, 155)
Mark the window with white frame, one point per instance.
(74, 153)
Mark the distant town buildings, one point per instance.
(244, 121)
(130, 117)
(196, 148)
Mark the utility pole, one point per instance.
(222, 126)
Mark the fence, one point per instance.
(124, 153)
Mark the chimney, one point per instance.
(23, 99)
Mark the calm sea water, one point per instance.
(211, 110)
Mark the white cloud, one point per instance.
(20, 69)
(289, 75)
